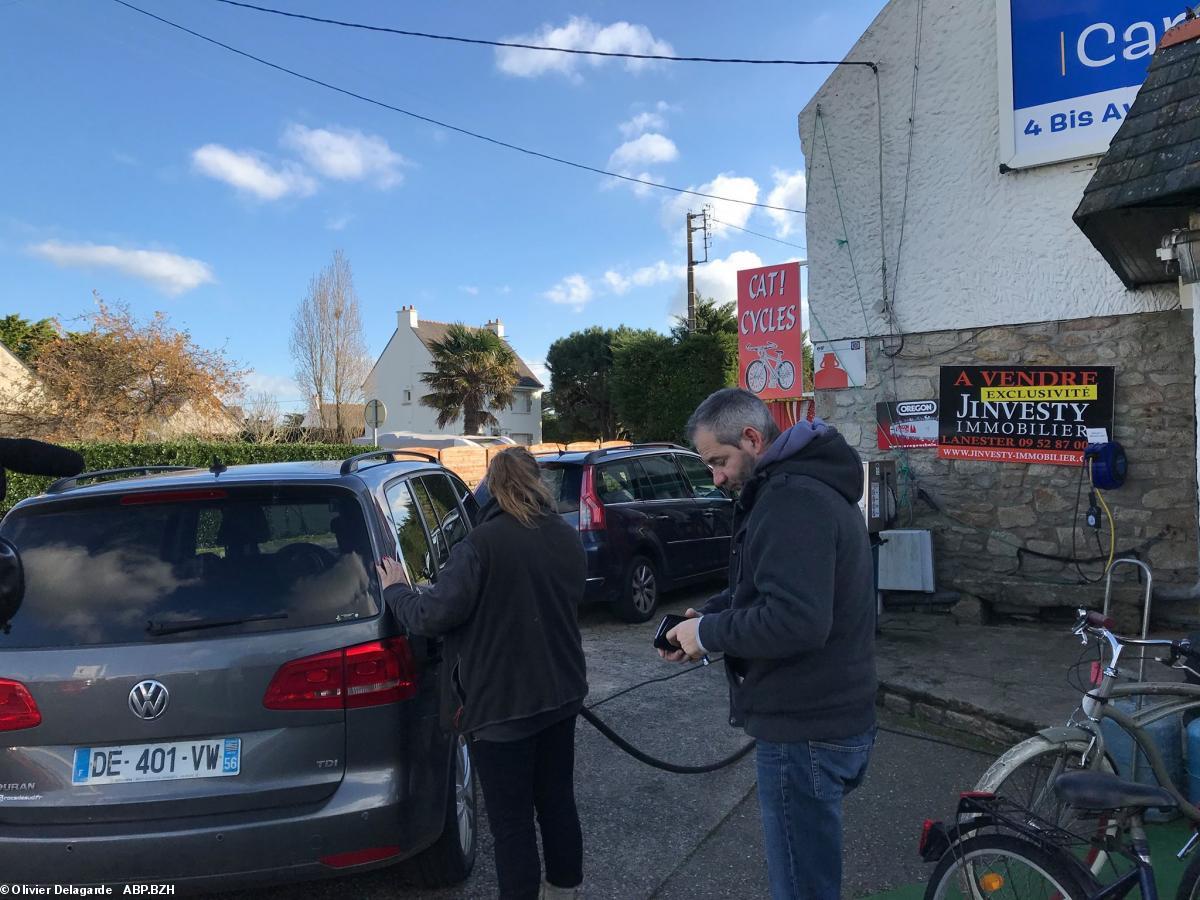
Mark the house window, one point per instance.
(520, 438)
(524, 402)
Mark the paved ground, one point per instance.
(654, 834)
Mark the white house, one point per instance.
(396, 380)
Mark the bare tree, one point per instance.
(328, 346)
(263, 421)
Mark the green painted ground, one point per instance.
(1165, 842)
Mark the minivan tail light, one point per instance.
(371, 674)
(150, 497)
(591, 510)
(17, 708)
(378, 673)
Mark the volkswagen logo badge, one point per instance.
(148, 699)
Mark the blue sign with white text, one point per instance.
(1076, 68)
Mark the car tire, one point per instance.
(450, 860)
(639, 591)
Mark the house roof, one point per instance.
(1148, 182)
(436, 331)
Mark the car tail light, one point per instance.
(144, 499)
(351, 678)
(378, 673)
(591, 510)
(17, 708)
(360, 857)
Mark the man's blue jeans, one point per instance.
(800, 791)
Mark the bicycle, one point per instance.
(770, 369)
(1030, 769)
(1000, 849)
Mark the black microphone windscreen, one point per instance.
(31, 457)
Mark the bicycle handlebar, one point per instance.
(1100, 626)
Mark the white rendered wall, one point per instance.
(980, 248)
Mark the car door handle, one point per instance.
(708, 513)
(662, 518)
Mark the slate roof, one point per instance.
(1149, 180)
(436, 331)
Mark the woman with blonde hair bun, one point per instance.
(506, 603)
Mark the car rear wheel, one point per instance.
(451, 859)
(639, 594)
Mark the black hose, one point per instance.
(659, 763)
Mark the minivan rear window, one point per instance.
(100, 571)
(564, 483)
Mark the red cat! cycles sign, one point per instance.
(1023, 414)
(770, 337)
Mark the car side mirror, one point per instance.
(12, 583)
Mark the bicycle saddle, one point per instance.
(1096, 790)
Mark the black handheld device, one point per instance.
(660, 638)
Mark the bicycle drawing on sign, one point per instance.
(770, 369)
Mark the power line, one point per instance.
(431, 121)
(766, 237)
(545, 48)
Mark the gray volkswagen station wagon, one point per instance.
(201, 686)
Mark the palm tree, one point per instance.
(474, 371)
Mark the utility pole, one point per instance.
(693, 262)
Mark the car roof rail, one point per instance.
(384, 456)
(661, 445)
(66, 484)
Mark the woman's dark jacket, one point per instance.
(506, 603)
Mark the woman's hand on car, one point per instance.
(391, 572)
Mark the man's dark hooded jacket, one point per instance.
(797, 624)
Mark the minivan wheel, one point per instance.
(639, 594)
(450, 860)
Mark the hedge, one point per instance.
(99, 455)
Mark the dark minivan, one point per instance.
(201, 686)
(650, 516)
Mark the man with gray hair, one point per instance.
(796, 625)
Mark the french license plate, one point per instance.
(213, 758)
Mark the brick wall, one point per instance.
(992, 509)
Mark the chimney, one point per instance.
(407, 317)
(497, 327)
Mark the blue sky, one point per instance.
(170, 174)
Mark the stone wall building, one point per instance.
(948, 256)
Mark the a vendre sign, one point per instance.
(770, 337)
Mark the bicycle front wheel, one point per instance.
(1001, 866)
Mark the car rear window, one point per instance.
(103, 571)
(564, 483)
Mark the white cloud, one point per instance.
(250, 174)
(338, 223)
(723, 211)
(573, 290)
(540, 371)
(790, 191)
(580, 33)
(717, 279)
(646, 276)
(469, 289)
(645, 150)
(643, 122)
(170, 273)
(282, 387)
(345, 154)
